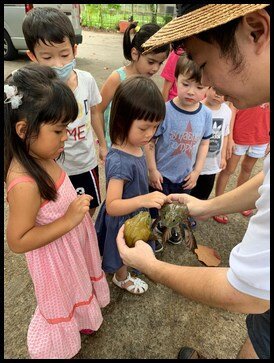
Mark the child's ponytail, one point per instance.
(143, 34)
(127, 44)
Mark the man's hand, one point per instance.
(197, 208)
(140, 257)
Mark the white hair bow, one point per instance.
(12, 96)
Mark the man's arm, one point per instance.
(236, 200)
(207, 285)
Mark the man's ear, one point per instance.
(21, 129)
(134, 54)
(32, 56)
(259, 28)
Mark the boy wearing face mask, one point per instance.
(50, 38)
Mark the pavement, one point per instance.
(158, 323)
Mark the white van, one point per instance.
(14, 15)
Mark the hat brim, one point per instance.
(197, 21)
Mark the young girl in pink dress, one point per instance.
(47, 220)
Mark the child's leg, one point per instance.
(222, 181)
(254, 152)
(225, 174)
(124, 280)
(203, 187)
(121, 274)
(246, 169)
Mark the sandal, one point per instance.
(189, 353)
(87, 331)
(138, 287)
(221, 219)
(247, 213)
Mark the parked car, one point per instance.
(13, 19)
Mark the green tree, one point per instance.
(100, 9)
(154, 10)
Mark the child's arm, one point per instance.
(116, 206)
(230, 141)
(166, 88)
(223, 153)
(23, 234)
(155, 177)
(98, 128)
(107, 93)
(192, 177)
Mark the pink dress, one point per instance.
(70, 286)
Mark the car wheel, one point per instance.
(10, 52)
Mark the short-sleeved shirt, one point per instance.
(249, 261)
(122, 74)
(133, 170)
(252, 126)
(178, 140)
(220, 128)
(80, 153)
(168, 73)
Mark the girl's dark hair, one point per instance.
(144, 33)
(188, 68)
(136, 98)
(46, 100)
(47, 25)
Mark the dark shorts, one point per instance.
(168, 188)
(88, 183)
(258, 327)
(204, 186)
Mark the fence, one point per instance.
(108, 18)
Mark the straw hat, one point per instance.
(194, 22)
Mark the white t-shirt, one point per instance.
(220, 129)
(80, 153)
(250, 260)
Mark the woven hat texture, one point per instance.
(197, 21)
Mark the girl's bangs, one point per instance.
(61, 108)
(149, 110)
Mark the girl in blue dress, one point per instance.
(137, 110)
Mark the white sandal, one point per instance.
(139, 286)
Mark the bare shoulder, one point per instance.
(16, 171)
(113, 79)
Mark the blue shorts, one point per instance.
(258, 327)
(88, 183)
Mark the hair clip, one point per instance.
(12, 96)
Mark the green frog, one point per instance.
(137, 227)
(140, 227)
(176, 215)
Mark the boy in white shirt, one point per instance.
(50, 38)
(216, 156)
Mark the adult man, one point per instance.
(231, 43)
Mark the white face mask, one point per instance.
(64, 72)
